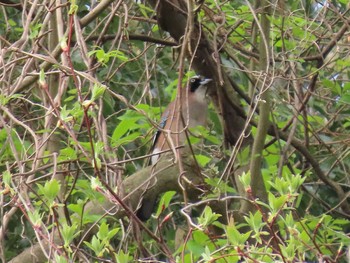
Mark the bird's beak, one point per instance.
(205, 81)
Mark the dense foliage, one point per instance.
(83, 84)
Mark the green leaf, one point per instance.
(155, 28)
(145, 10)
(104, 58)
(127, 139)
(73, 7)
(197, 134)
(103, 231)
(6, 177)
(11, 22)
(255, 221)
(50, 190)
(280, 185)
(67, 154)
(202, 160)
(345, 98)
(34, 30)
(276, 203)
(243, 156)
(98, 91)
(60, 259)
(119, 55)
(100, 55)
(123, 127)
(165, 201)
(295, 181)
(96, 245)
(77, 207)
(35, 218)
(122, 257)
(95, 183)
(4, 99)
(105, 234)
(42, 80)
(196, 248)
(206, 255)
(65, 114)
(69, 233)
(245, 179)
(208, 217)
(236, 238)
(112, 233)
(344, 2)
(220, 186)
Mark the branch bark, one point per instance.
(164, 177)
(263, 98)
(172, 17)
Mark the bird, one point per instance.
(194, 107)
(173, 127)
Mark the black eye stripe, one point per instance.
(194, 84)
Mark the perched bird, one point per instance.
(193, 113)
(173, 126)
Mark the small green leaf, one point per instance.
(276, 203)
(165, 201)
(77, 207)
(95, 183)
(245, 179)
(105, 234)
(42, 80)
(196, 248)
(345, 98)
(98, 91)
(112, 233)
(11, 22)
(60, 259)
(103, 231)
(236, 238)
(68, 233)
(34, 30)
(202, 159)
(122, 257)
(67, 154)
(155, 28)
(123, 127)
(97, 163)
(145, 9)
(206, 255)
(119, 55)
(35, 218)
(126, 139)
(208, 217)
(6, 177)
(96, 245)
(255, 221)
(73, 7)
(50, 190)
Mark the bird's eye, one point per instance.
(193, 80)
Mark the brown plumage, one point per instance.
(174, 124)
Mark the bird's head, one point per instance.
(198, 82)
(198, 87)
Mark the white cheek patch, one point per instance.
(200, 94)
(155, 157)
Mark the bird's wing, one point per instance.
(162, 124)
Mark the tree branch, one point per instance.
(164, 177)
